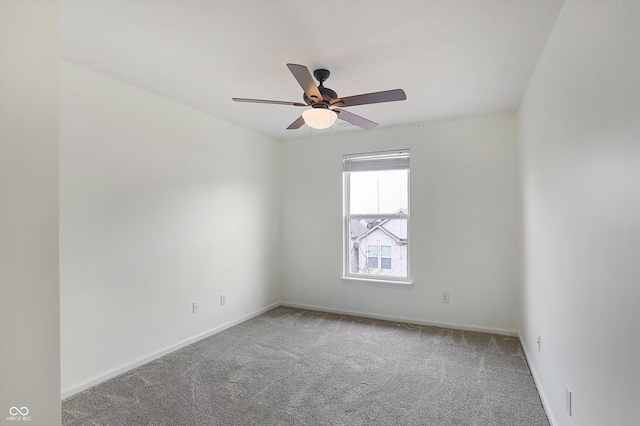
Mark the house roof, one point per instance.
(372, 226)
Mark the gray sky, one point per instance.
(379, 191)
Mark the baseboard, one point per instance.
(403, 319)
(72, 390)
(536, 381)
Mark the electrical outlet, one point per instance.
(539, 344)
(223, 299)
(567, 399)
(444, 297)
(196, 307)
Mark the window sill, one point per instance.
(406, 285)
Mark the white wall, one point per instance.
(29, 108)
(580, 154)
(464, 223)
(160, 205)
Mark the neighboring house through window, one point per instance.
(376, 207)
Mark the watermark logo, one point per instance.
(18, 414)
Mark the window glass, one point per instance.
(376, 192)
(385, 263)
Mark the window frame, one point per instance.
(387, 280)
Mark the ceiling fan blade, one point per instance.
(302, 74)
(371, 98)
(265, 101)
(296, 124)
(355, 119)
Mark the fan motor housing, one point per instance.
(328, 95)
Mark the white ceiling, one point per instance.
(453, 58)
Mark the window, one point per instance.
(376, 215)
(378, 255)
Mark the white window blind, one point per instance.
(390, 160)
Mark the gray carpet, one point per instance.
(298, 367)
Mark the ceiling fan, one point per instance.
(325, 104)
